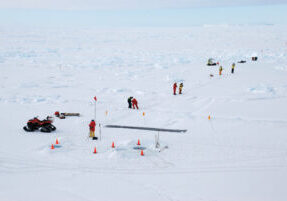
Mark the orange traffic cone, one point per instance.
(57, 142)
(208, 117)
(52, 147)
(95, 150)
(139, 143)
(142, 153)
(113, 145)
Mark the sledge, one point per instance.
(241, 62)
(71, 114)
(147, 128)
(63, 115)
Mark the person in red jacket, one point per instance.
(174, 88)
(135, 103)
(92, 126)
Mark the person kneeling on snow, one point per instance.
(92, 126)
(135, 103)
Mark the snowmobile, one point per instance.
(211, 62)
(44, 125)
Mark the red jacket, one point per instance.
(174, 86)
(92, 126)
(134, 101)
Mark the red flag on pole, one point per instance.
(95, 98)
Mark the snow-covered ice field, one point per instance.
(238, 155)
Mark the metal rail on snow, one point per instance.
(147, 128)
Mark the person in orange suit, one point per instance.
(92, 126)
(135, 103)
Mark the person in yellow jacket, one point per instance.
(232, 68)
(180, 88)
(220, 70)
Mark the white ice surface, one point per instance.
(240, 154)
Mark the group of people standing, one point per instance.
(232, 69)
(132, 104)
(179, 88)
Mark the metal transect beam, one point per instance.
(147, 128)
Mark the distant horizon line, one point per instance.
(271, 14)
(144, 9)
